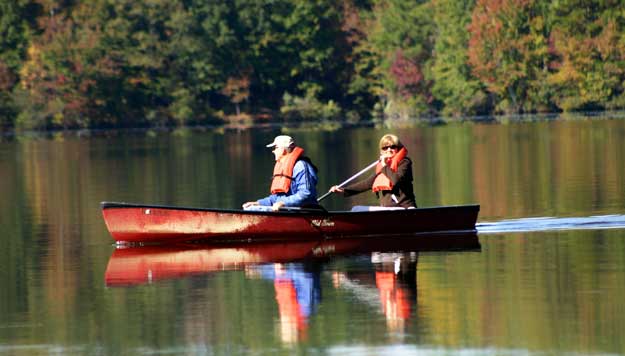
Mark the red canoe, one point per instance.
(145, 264)
(134, 223)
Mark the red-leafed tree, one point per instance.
(407, 74)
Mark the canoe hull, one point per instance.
(134, 223)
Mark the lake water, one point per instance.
(545, 275)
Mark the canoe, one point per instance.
(146, 264)
(137, 223)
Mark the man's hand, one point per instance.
(249, 203)
(277, 205)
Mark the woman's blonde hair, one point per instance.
(390, 140)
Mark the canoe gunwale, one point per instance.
(288, 211)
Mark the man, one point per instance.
(294, 182)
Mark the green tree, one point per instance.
(458, 91)
(402, 35)
(16, 23)
(140, 38)
(179, 58)
(294, 46)
(365, 86)
(205, 50)
(7, 109)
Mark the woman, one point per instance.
(392, 181)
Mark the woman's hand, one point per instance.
(385, 158)
(336, 189)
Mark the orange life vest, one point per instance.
(288, 305)
(395, 301)
(382, 182)
(283, 171)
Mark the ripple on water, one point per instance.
(553, 223)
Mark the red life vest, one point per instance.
(382, 182)
(283, 171)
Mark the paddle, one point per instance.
(350, 179)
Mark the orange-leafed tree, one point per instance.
(589, 48)
(59, 79)
(237, 90)
(508, 52)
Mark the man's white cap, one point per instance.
(282, 141)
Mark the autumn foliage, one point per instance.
(123, 63)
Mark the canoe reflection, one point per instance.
(295, 269)
(146, 264)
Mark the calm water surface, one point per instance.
(545, 275)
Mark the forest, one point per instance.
(74, 64)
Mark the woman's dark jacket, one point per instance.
(402, 186)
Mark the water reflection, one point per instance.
(298, 293)
(391, 288)
(386, 285)
(146, 264)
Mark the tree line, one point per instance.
(127, 63)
